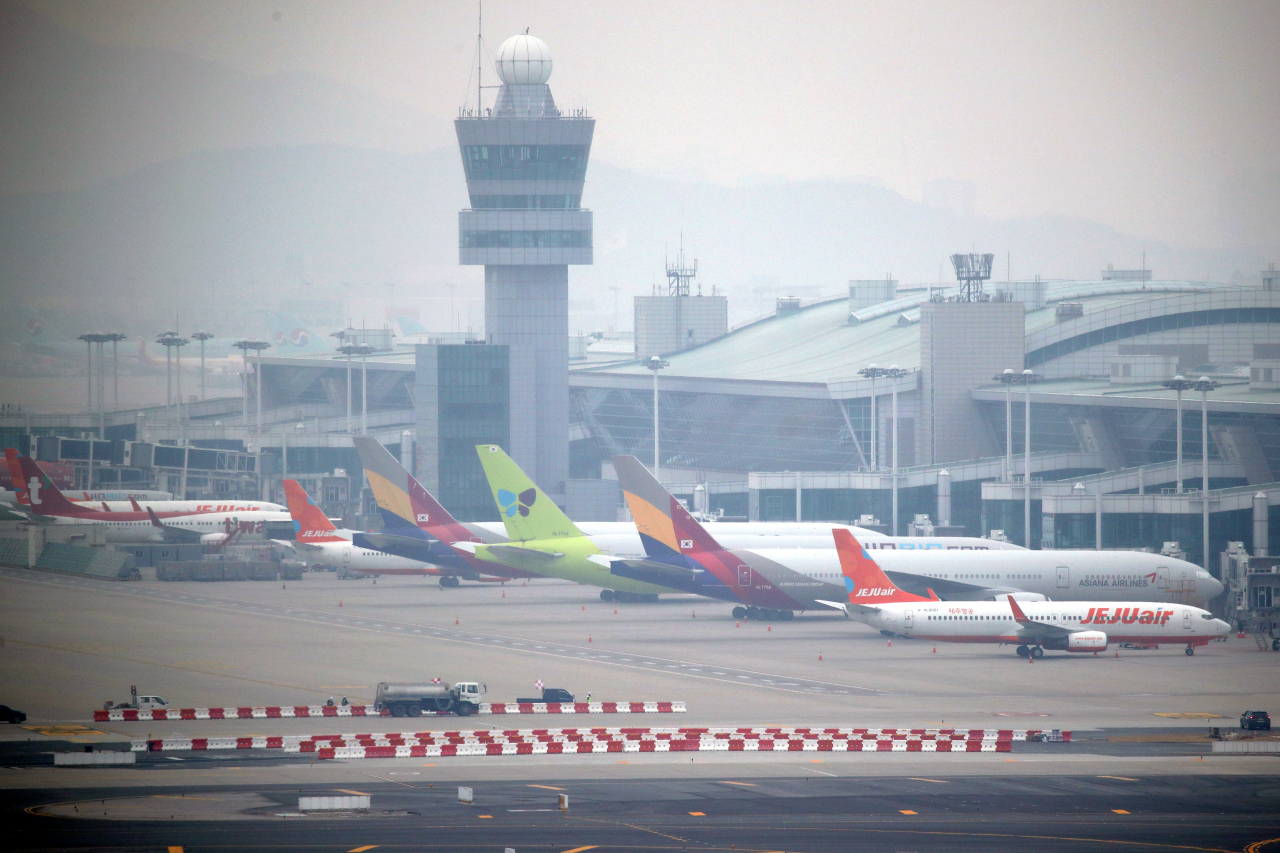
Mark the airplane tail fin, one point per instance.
(402, 500)
(43, 496)
(865, 582)
(309, 523)
(666, 527)
(526, 511)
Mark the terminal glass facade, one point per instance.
(567, 201)
(524, 240)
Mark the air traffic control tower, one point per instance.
(525, 164)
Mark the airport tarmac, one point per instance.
(70, 644)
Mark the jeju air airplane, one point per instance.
(1032, 626)
(49, 505)
(319, 542)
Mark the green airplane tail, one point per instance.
(525, 510)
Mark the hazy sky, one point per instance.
(1161, 119)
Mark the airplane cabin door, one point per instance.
(346, 557)
(1162, 577)
(1186, 620)
(1064, 577)
(906, 621)
(744, 576)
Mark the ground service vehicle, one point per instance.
(550, 694)
(137, 703)
(1255, 720)
(12, 715)
(410, 699)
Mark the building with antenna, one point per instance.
(679, 320)
(525, 163)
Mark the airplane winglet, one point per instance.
(136, 506)
(1018, 615)
(106, 508)
(155, 519)
(933, 596)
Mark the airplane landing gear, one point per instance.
(1022, 651)
(1037, 652)
(739, 612)
(447, 581)
(1190, 651)
(606, 595)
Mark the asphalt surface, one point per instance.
(1139, 774)
(807, 814)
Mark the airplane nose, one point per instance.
(1223, 627)
(1212, 588)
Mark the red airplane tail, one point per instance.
(15, 474)
(42, 495)
(310, 524)
(864, 581)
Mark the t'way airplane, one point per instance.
(50, 506)
(1065, 626)
(319, 542)
(774, 582)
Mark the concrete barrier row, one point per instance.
(269, 712)
(701, 745)
(569, 740)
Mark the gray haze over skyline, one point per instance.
(171, 163)
(1160, 120)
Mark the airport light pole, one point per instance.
(342, 348)
(1027, 377)
(244, 347)
(87, 337)
(202, 337)
(1179, 383)
(1204, 385)
(655, 364)
(872, 372)
(171, 341)
(115, 338)
(895, 373)
(363, 350)
(99, 338)
(1008, 377)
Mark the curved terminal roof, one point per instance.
(820, 344)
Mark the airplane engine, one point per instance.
(1087, 641)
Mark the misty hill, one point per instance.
(222, 223)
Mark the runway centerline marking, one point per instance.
(1121, 778)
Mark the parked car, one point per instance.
(12, 715)
(1255, 720)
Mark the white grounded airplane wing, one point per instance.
(850, 606)
(469, 547)
(658, 571)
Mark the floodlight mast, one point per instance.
(971, 271)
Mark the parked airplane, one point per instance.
(1075, 626)
(115, 498)
(319, 542)
(774, 582)
(50, 506)
(543, 540)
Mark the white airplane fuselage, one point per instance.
(811, 575)
(1077, 626)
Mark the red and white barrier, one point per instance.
(271, 712)
(601, 740)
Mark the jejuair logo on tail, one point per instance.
(512, 503)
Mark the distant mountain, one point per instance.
(229, 223)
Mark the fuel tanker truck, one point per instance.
(410, 699)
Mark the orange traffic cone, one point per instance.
(737, 624)
(588, 638)
(615, 611)
(504, 593)
(890, 644)
(770, 628)
(455, 620)
(1117, 654)
(1031, 658)
(935, 650)
(584, 607)
(819, 655)
(693, 614)
(339, 603)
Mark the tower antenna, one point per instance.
(479, 56)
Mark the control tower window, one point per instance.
(527, 202)
(525, 162)
(525, 239)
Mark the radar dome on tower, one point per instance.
(524, 60)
